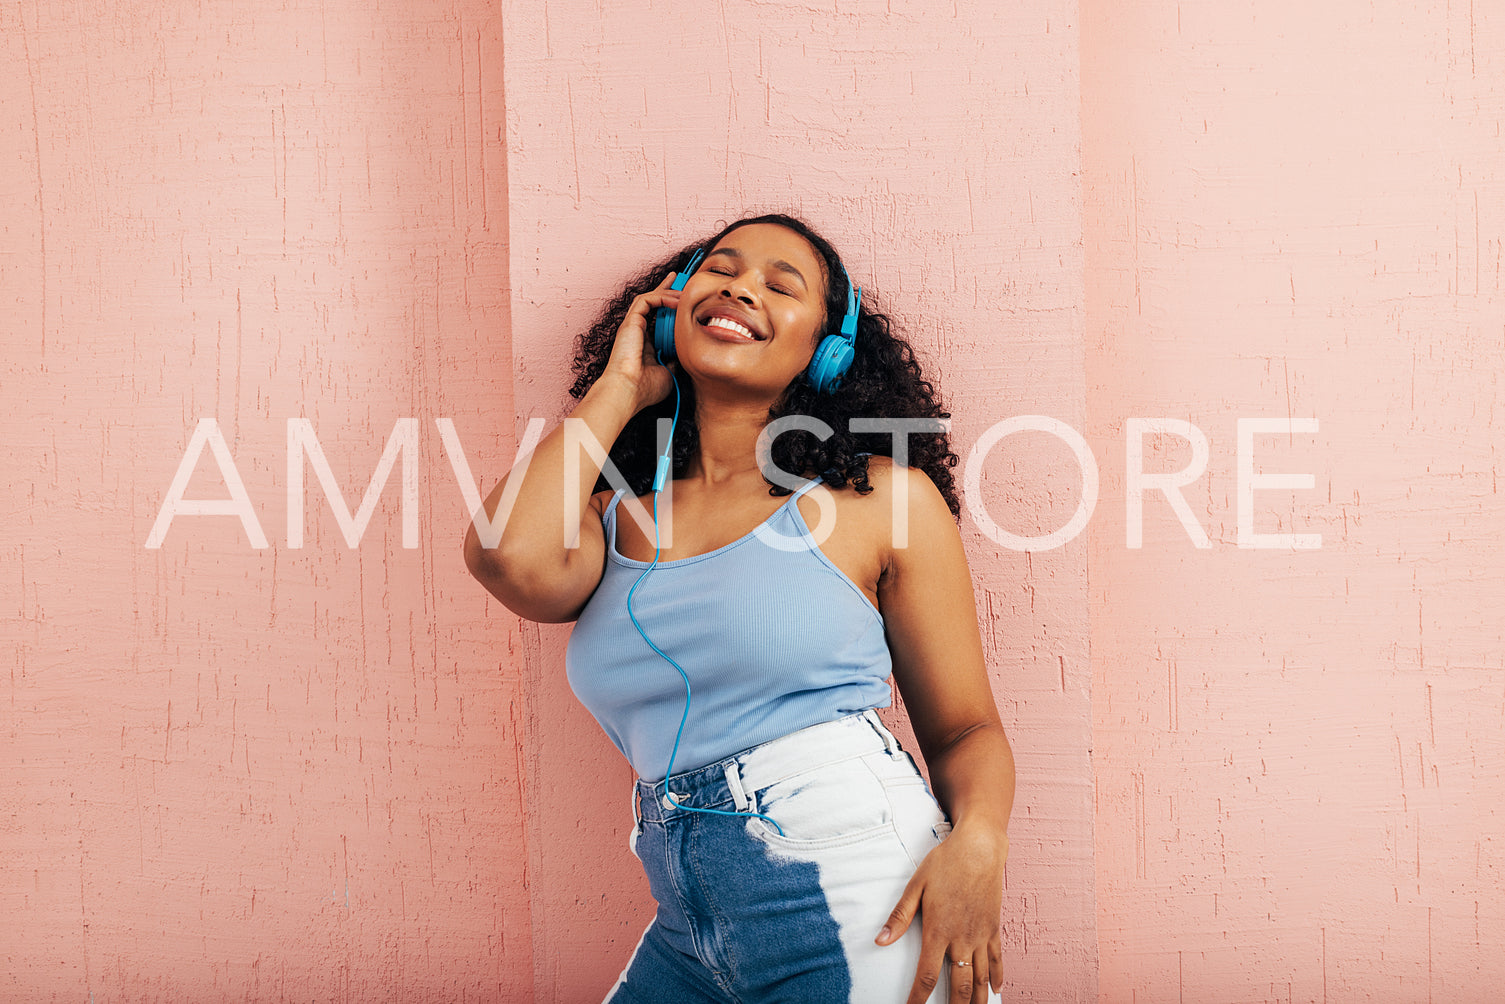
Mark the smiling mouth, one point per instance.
(727, 324)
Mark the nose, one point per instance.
(738, 288)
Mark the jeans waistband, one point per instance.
(734, 779)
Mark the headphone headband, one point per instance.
(854, 301)
(688, 270)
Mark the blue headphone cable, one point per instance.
(660, 478)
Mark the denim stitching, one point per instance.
(726, 981)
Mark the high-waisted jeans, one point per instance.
(746, 914)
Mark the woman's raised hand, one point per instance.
(534, 571)
(633, 361)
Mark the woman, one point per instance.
(790, 843)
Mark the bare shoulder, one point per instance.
(903, 492)
(903, 514)
(887, 477)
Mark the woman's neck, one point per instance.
(728, 433)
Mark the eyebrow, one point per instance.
(778, 263)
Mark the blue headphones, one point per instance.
(833, 356)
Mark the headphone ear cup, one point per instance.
(833, 356)
(829, 365)
(663, 334)
(663, 317)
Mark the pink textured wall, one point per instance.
(1299, 210)
(233, 773)
(335, 772)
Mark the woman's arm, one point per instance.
(928, 609)
(533, 569)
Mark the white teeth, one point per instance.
(730, 325)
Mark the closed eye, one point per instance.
(727, 271)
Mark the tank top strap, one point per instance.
(609, 512)
(802, 489)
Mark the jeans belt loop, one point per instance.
(734, 784)
(890, 742)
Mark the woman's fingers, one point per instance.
(961, 980)
(650, 350)
(898, 921)
(977, 976)
(969, 974)
(633, 357)
(927, 974)
(644, 304)
(661, 295)
(656, 296)
(634, 331)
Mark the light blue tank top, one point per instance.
(772, 635)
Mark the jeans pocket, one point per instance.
(918, 820)
(830, 806)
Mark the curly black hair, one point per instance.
(884, 381)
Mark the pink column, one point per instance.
(234, 773)
(1294, 211)
(938, 146)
